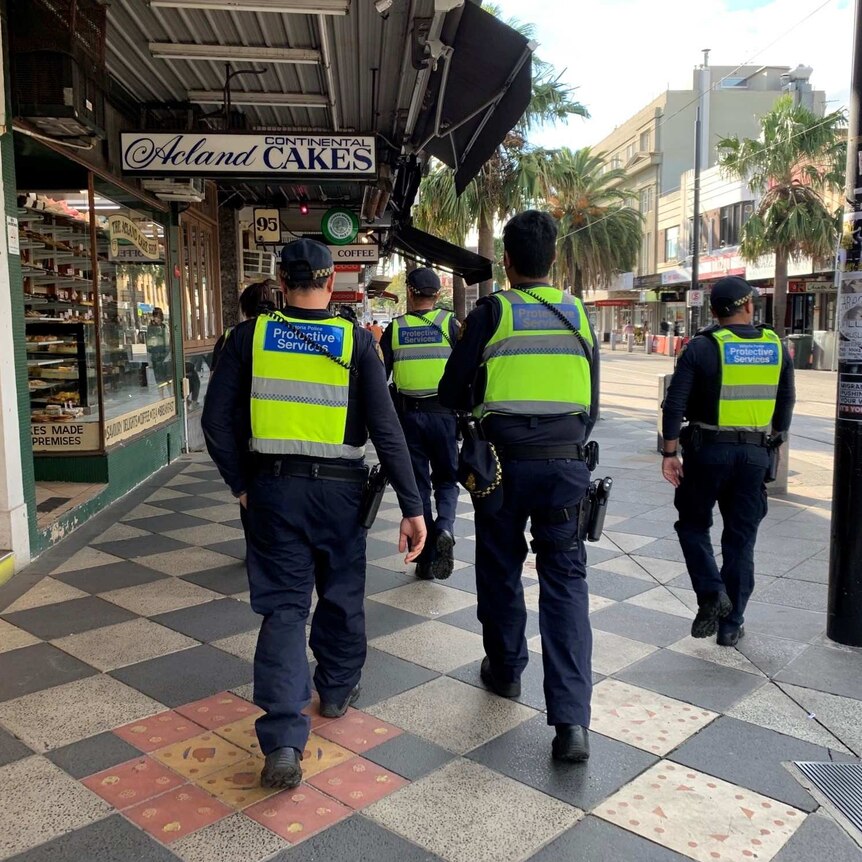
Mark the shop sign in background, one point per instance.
(74, 436)
(129, 424)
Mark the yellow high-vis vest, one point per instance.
(420, 351)
(536, 366)
(299, 396)
(750, 371)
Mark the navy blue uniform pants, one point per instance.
(432, 440)
(732, 475)
(536, 490)
(304, 533)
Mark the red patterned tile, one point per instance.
(313, 712)
(157, 731)
(129, 783)
(297, 814)
(175, 814)
(358, 731)
(218, 710)
(358, 782)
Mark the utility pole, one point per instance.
(698, 162)
(844, 618)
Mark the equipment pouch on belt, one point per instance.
(593, 508)
(372, 496)
(774, 447)
(591, 455)
(691, 438)
(479, 469)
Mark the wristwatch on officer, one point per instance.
(673, 454)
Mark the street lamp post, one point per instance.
(844, 619)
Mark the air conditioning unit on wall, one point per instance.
(190, 190)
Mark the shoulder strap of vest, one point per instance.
(319, 348)
(432, 323)
(565, 320)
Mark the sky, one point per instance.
(621, 54)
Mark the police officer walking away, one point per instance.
(415, 349)
(302, 387)
(526, 364)
(734, 383)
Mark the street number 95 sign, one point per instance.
(267, 229)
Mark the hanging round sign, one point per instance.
(339, 226)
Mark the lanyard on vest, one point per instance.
(347, 366)
(566, 322)
(432, 323)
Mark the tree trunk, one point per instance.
(486, 248)
(459, 297)
(779, 298)
(578, 282)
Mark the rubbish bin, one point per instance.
(801, 347)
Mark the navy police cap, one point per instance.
(729, 294)
(424, 281)
(305, 260)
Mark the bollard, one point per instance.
(613, 340)
(648, 344)
(631, 343)
(780, 485)
(663, 383)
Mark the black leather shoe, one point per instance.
(444, 562)
(423, 570)
(730, 636)
(282, 769)
(711, 609)
(328, 709)
(571, 744)
(503, 689)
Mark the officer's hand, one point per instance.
(671, 469)
(243, 500)
(413, 535)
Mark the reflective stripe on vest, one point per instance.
(419, 353)
(299, 396)
(534, 365)
(750, 371)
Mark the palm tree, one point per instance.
(797, 158)
(600, 234)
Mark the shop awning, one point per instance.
(425, 249)
(478, 92)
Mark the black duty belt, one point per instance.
(756, 438)
(311, 470)
(525, 452)
(421, 405)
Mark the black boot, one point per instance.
(571, 744)
(711, 608)
(444, 561)
(503, 689)
(730, 635)
(282, 769)
(328, 709)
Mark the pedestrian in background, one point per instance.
(734, 383)
(415, 348)
(526, 365)
(376, 331)
(257, 297)
(304, 388)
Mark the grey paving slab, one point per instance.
(114, 576)
(600, 555)
(228, 580)
(532, 681)
(155, 544)
(662, 549)
(233, 548)
(826, 668)
(769, 654)
(181, 505)
(795, 594)
(753, 757)
(614, 586)
(11, 748)
(212, 620)
(815, 571)
(68, 618)
(93, 754)
(466, 619)
(524, 753)
(113, 839)
(379, 580)
(841, 715)
(641, 624)
(784, 622)
(385, 675)
(29, 669)
(692, 680)
(644, 527)
(376, 549)
(359, 840)
(594, 840)
(410, 756)
(383, 619)
(465, 579)
(465, 550)
(819, 837)
(186, 676)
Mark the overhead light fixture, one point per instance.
(288, 7)
(272, 100)
(227, 53)
(383, 7)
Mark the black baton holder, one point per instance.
(372, 497)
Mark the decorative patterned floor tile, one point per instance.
(242, 733)
(175, 814)
(200, 755)
(86, 558)
(48, 591)
(644, 719)
(132, 782)
(296, 814)
(185, 561)
(158, 731)
(207, 534)
(11, 637)
(358, 782)
(313, 712)
(239, 785)
(321, 754)
(219, 710)
(358, 731)
(159, 597)
(705, 818)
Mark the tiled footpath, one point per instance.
(126, 722)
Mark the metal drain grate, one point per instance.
(840, 784)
